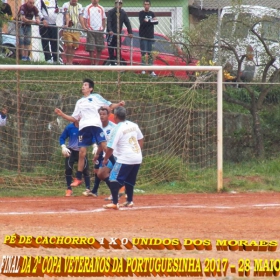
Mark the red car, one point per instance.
(165, 53)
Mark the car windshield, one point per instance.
(232, 26)
(239, 29)
(161, 46)
(270, 29)
(242, 29)
(227, 25)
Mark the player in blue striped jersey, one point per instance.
(102, 173)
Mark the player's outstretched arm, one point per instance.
(115, 105)
(64, 116)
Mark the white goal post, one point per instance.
(119, 69)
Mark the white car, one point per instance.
(8, 47)
(235, 32)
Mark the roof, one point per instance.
(216, 4)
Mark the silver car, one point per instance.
(8, 47)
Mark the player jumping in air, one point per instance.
(90, 127)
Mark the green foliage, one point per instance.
(3, 18)
(271, 128)
(198, 41)
(252, 175)
(253, 167)
(157, 167)
(174, 175)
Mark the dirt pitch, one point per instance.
(250, 216)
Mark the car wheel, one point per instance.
(8, 51)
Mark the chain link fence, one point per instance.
(171, 20)
(173, 17)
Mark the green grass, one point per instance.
(251, 176)
(39, 191)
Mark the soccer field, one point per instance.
(247, 217)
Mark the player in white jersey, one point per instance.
(90, 127)
(126, 142)
(3, 117)
(102, 173)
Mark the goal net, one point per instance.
(181, 120)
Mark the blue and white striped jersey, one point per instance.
(71, 132)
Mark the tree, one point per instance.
(3, 19)
(246, 43)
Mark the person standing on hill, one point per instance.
(48, 11)
(147, 21)
(95, 24)
(73, 16)
(29, 15)
(112, 28)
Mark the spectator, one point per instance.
(71, 154)
(6, 12)
(94, 23)
(27, 12)
(3, 117)
(48, 11)
(112, 28)
(73, 15)
(126, 143)
(5, 9)
(147, 21)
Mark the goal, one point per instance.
(181, 120)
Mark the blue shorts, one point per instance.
(124, 173)
(90, 135)
(25, 35)
(99, 162)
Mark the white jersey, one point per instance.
(124, 141)
(108, 129)
(3, 121)
(86, 110)
(94, 16)
(50, 14)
